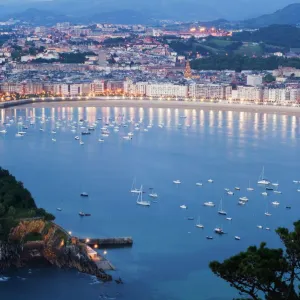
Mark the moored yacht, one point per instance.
(209, 203)
(177, 181)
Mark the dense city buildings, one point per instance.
(127, 60)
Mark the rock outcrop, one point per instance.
(39, 239)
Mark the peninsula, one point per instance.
(28, 234)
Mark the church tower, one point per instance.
(188, 70)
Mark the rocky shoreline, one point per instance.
(53, 246)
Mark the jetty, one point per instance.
(117, 242)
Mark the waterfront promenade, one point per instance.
(116, 101)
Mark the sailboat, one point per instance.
(134, 190)
(250, 189)
(262, 179)
(221, 211)
(198, 224)
(153, 194)
(267, 213)
(140, 200)
(80, 141)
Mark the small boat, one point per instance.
(219, 230)
(262, 179)
(269, 188)
(210, 181)
(77, 138)
(237, 188)
(209, 238)
(230, 193)
(245, 199)
(296, 181)
(275, 184)
(298, 190)
(53, 140)
(127, 138)
(134, 190)
(199, 184)
(241, 203)
(85, 133)
(153, 195)
(190, 218)
(119, 281)
(3, 131)
(268, 214)
(84, 194)
(198, 224)
(91, 128)
(130, 134)
(288, 207)
(249, 188)
(183, 206)
(59, 209)
(53, 132)
(277, 192)
(81, 214)
(81, 143)
(20, 135)
(146, 130)
(209, 203)
(229, 219)
(177, 181)
(227, 190)
(259, 227)
(264, 193)
(267, 228)
(237, 238)
(101, 140)
(221, 211)
(276, 203)
(140, 200)
(41, 129)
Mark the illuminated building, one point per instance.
(188, 70)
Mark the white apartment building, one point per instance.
(138, 88)
(98, 87)
(282, 95)
(248, 93)
(166, 90)
(254, 80)
(210, 91)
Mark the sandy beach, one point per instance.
(169, 104)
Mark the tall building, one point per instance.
(188, 70)
(210, 91)
(166, 90)
(248, 93)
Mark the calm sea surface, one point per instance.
(170, 256)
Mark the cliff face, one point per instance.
(37, 239)
(9, 255)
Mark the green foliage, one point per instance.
(16, 203)
(32, 237)
(239, 62)
(278, 35)
(258, 271)
(269, 78)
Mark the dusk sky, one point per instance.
(230, 9)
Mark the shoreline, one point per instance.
(219, 106)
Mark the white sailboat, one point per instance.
(177, 181)
(198, 224)
(245, 199)
(153, 194)
(209, 203)
(221, 211)
(267, 212)
(140, 200)
(249, 188)
(134, 190)
(262, 179)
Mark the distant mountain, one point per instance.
(288, 15)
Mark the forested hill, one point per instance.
(16, 203)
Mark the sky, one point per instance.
(203, 9)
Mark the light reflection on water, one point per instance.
(166, 262)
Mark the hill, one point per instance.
(288, 15)
(16, 203)
(286, 36)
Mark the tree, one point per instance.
(273, 273)
(11, 211)
(2, 209)
(269, 78)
